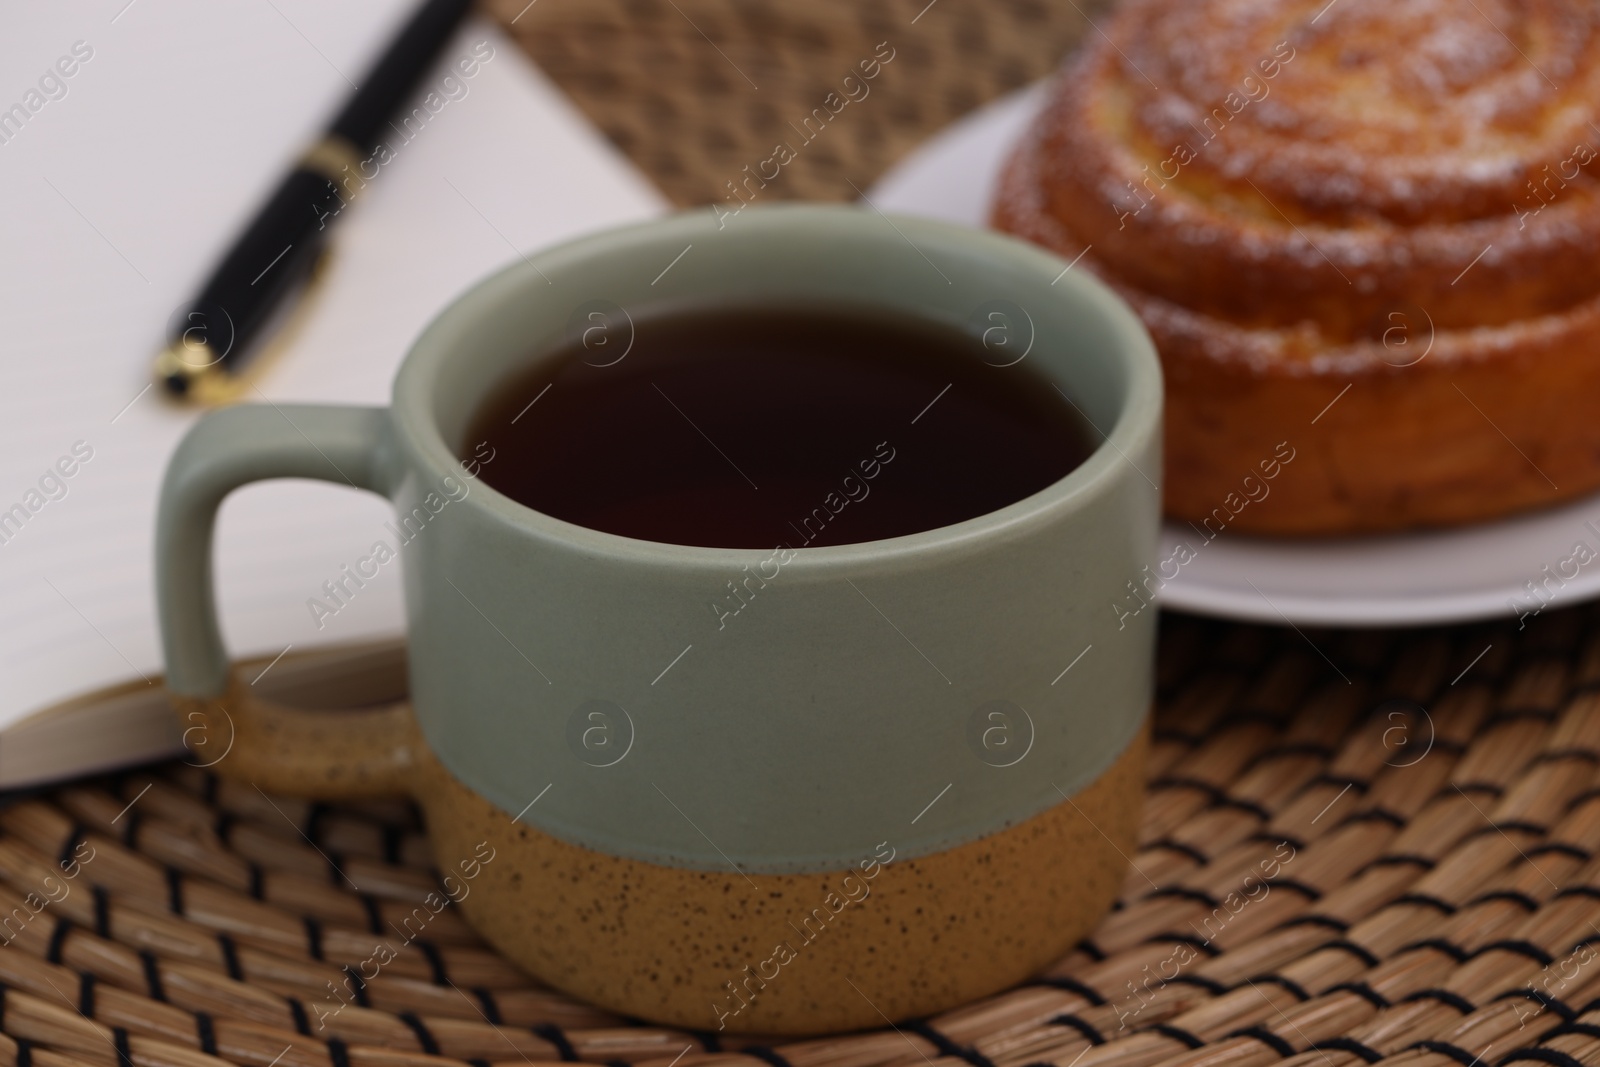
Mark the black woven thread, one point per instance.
(1444, 907)
(1521, 948)
(1294, 989)
(1177, 1033)
(152, 975)
(1178, 846)
(338, 1052)
(1544, 1000)
(1439, 944)
(24, 1052)
(1582, 855)
(1090, 1032)
(1377, 814)
(313, 826)
(1522, 900)
(1365, 992)
(230, 957)
(358, 988)
(1584, 1029)
(553, 1034)
(1542, 1055)
(86, 994)
(58, 939)
(945, 1046)
(1508, 715)
(1360, 785)
(313, 937)
(206, 1032)
(374, 914)
(1210, 985)
(491, 1009)
(1444, 996)
(1358, 951)
(1072, 985)
(1309, 892)
(102, 912)
(258, 882)
(1396, 859)
(1168, 735)
(130, 831)
(1267, 1038)
(1217, 797)
(1296, 748)
(1556, 755)
(1274, 838)
(1588, 794)
(119, 1040)
(1196, 943)
(393, 838)
(1245, 717)
(175, 891)
(762, 1052)
(1205, 900)
(1579, 891)
(1510, 826)
(74, 839)
(297, 1012)
(425, 1037)
(430, 952)
(1350, 1045)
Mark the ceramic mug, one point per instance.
(906, 774)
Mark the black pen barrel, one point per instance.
(212, 336)
(275, 252)
(388, 84)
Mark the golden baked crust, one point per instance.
(1394, 197)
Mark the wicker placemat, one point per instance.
(696, 91)
(1356, 847)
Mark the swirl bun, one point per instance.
(1389, 206)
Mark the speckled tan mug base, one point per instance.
(720, 950)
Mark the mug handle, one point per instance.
(324, 754)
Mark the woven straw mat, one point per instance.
(1430, 797)
(694, 91)
(1430, 800)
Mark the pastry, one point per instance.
(1365, 236)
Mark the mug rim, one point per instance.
(1138, 417)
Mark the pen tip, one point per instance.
(188, 379)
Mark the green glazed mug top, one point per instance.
(862, 680)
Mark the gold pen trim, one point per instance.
(204, 379)
(207, 382)
(332, 157)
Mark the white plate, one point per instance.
(1476, 572)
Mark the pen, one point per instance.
(212, 337)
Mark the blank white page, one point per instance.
(119, 195)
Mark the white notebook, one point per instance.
(120, 185)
